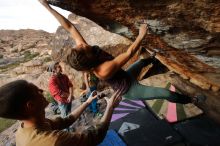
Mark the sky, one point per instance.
(27, 14)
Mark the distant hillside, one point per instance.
(23, 54)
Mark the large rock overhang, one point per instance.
(128, 13)
(168, 20)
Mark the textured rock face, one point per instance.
(197, 11)
(203, 14)
(190, 25)
(25, 55)
(183, 29)
(94, 35)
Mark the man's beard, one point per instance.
(59, 74)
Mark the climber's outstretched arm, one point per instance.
(66, 24)
(107, 69)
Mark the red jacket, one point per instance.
(58, 85)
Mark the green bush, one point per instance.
(27, 57)
(47, 59)
(14, 51)
(6, 123)
(27, 53)
(12, 65)
(31, 56)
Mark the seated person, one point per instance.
(91, 82)
(24, 101)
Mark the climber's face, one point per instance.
(58, 69)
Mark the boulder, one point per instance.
(93, 34)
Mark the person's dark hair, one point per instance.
(13, 97)
(79, 60)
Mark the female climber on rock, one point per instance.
(91, 58)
